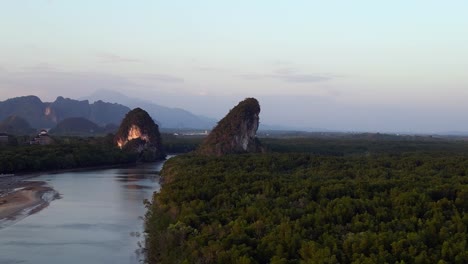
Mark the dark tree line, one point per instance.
(78, 152)
(66, 153)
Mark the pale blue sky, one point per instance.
(344, 65)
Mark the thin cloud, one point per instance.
(114, 58)
(163, 78)
(285, 71)
(54, 83)
(253, 76)
(40, 67)
(289, 75)
(203, 68)
(212, 69)
(280, 62)
(303, 78)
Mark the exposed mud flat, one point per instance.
(26, 198)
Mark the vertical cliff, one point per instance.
(236, 132)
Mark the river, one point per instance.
(98, 219)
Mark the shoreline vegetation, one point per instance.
(70, 153)
(314, 201)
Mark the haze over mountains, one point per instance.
(39, 114)
(106, 107)
(166, 117)
(47, 114)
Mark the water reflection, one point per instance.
(98, 219)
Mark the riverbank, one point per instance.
(30, 174)
(98, 219)
(18, 194)
(12, 181)
(27, 197)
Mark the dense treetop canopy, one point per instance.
(393, 205)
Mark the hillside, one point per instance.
(76, 126)
(30, 108)
(139, 133)
(236, 132)
(16, 125)
(166, 117)
(46, 115)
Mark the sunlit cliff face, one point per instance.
(247, 132)
(133, 133)
(47, 111)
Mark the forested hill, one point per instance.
(77, 126)
(139, 133)
(16, 125)
(385, 207)
(236, 132)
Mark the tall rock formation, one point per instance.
(236, 132)
(140, 134)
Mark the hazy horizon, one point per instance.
(363, 66)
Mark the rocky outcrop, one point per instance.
(236, 132)
(140, 134)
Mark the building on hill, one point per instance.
(42, 138)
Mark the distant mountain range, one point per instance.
(46, 115)
(104, 107)
(166, 117)
(38, 114)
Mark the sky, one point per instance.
(363, 65)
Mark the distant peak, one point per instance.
(28, 98)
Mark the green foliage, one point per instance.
(350, 146)
(180, 144)
(68, 153)
(389, 206)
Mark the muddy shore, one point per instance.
(19, 197)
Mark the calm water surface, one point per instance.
(97, 220)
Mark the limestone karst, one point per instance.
(140, 134)
(236, 132)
